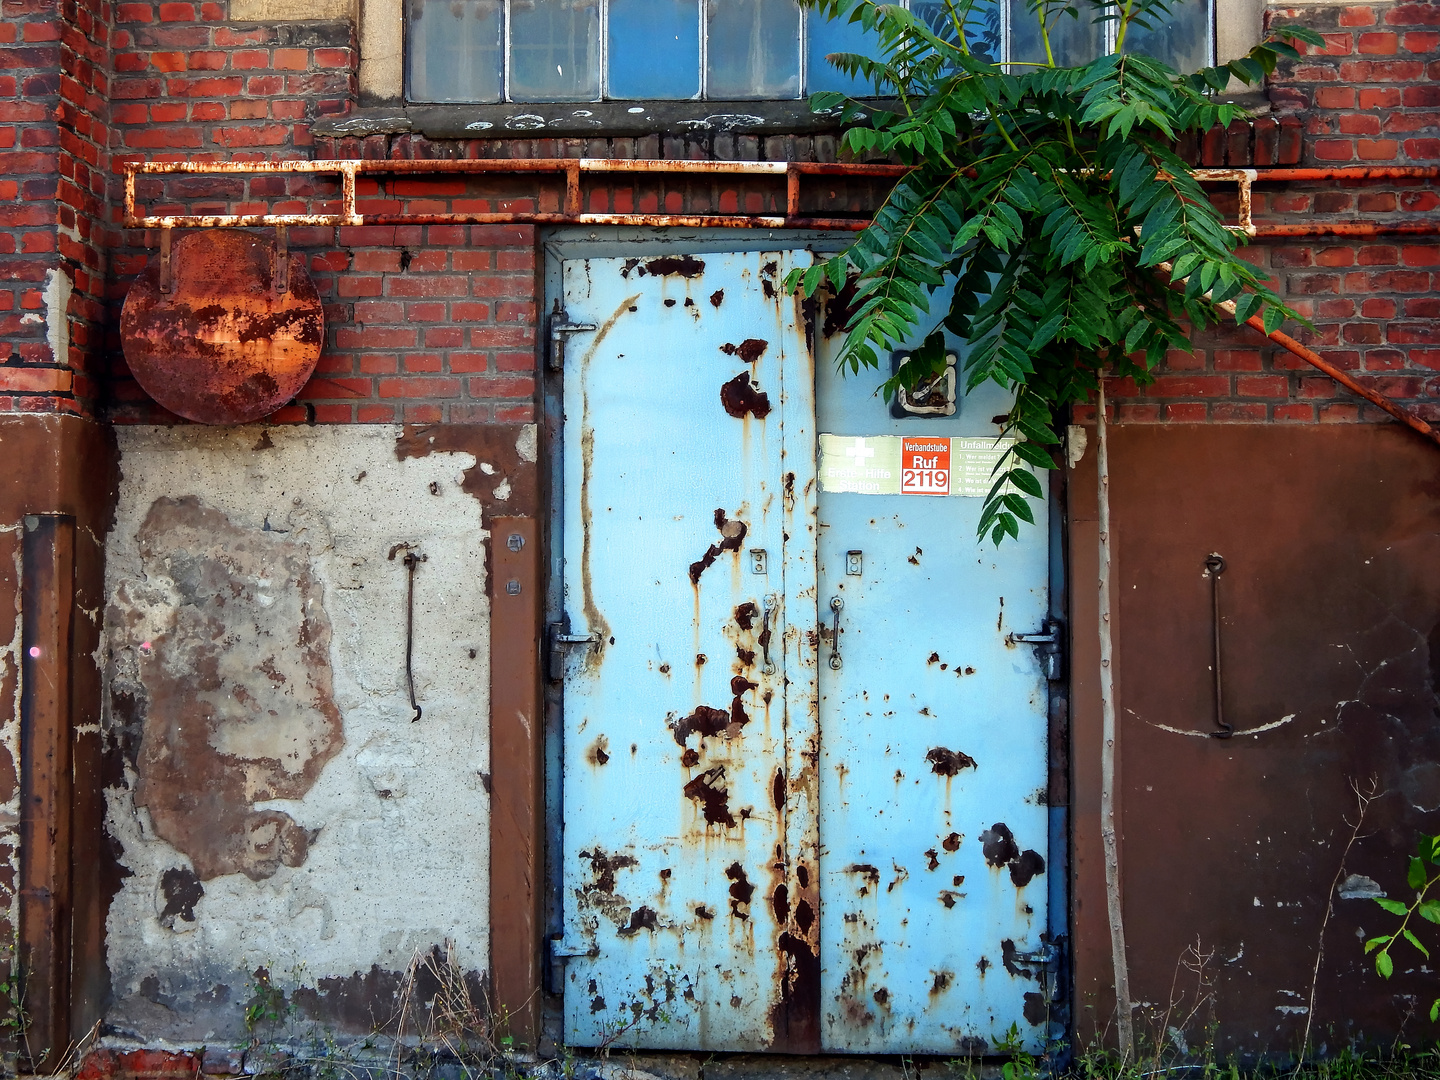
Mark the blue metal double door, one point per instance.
(804, 759)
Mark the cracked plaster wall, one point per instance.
(278, 807)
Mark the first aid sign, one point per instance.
(924, 466)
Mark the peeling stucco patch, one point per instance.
(397, 819)
(57, 317)
(230, 643)
(504, 478)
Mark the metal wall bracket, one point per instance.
(935, 396)
(281, 276)
(165, 277)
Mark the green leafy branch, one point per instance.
(1419, 877)
(1043, 215)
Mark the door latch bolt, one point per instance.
(1049, 648)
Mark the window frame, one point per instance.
(1232, 26)
(603, 60)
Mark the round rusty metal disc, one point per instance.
(226, 344)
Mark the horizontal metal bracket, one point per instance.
(1049, 647)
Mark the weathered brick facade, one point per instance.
(432, 324)
(1370, 96)
(437, 323)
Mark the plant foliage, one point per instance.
(1422, 873)
(1049, 196)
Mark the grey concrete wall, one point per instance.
(272, 804)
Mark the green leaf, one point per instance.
(1416, 942)
(1035, 455)
(1428, 849)
(1394, 907)
(1429, 910)
(1027, 482)
(1435, 1011)
(1019, 507)
(1415, 876)
(1384, 965)
(1375, 942)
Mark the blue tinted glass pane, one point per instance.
(825, 36)
(452, 50)
(982, 25)
(554, 50)
(1181, 40)
(654, 49)
(1073, 41)
(752, 49)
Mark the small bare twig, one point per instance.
(1110, 735)
(1363, 799)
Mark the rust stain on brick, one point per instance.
(233, 701)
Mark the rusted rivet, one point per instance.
(512, 587)
(515, 542)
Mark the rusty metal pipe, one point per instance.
(807, 168)
(645, 165)
(1350, 228)
(1314, 359)
(1399, 412)
(478, 218)
(1345, 172)
(572, 168)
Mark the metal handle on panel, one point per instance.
(1215, 566)
(835, 662)
(769, 665)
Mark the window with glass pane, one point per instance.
(657, 43)
(724, 50)
(453, 50)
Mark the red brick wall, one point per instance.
(1372, 302)
(30, 53)
(431, 323)
(1372, 95)
(81, 211)
(188, 82)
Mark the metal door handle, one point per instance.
(835, 662)
(1215, 566)
(769, 666)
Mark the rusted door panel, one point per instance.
(686, 827)
(933, 821)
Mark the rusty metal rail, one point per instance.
(571, 169)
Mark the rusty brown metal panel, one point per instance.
(1330, 646)
(517, 805)
(225, 328)
(47, 603)
(70, 468)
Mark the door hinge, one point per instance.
(558, 952)
(1049, 647)
(1044, 959)
(559, 641)
(560, 328)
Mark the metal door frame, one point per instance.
(567, 243)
